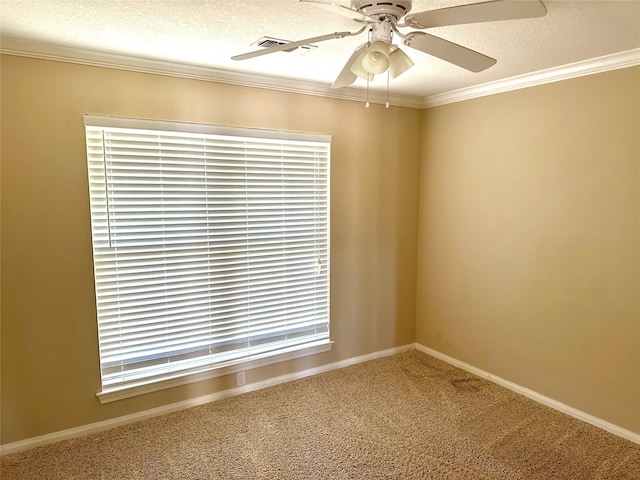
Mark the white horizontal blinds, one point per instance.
(209, 249)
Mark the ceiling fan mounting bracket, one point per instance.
(395, 9)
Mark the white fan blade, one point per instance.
(476, 13)
(291, 45)
(340, 9)
(449, 51)
(347, 77)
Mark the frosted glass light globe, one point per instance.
(376, 60)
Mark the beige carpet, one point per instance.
(409, 416)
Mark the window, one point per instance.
(210, 246)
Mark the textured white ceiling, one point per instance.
(209, 32)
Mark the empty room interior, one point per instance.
(483, 225)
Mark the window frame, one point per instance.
(212, 370)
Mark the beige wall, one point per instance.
(529, 245)
(50, 370)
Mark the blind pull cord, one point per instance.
(106, 188)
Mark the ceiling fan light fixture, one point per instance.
(399, 62)
(376, 58)
(358, 69)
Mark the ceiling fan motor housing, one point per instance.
(381, 9)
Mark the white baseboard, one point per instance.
(538, 397)
(96, 427)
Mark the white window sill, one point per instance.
(112, 395)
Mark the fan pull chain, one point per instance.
(366, 105)
(387, 104)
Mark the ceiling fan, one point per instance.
(384, 18)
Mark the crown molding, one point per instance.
(49, 51)
(605, 63)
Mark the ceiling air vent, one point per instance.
(267, 42)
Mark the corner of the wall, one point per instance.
(533, 395)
